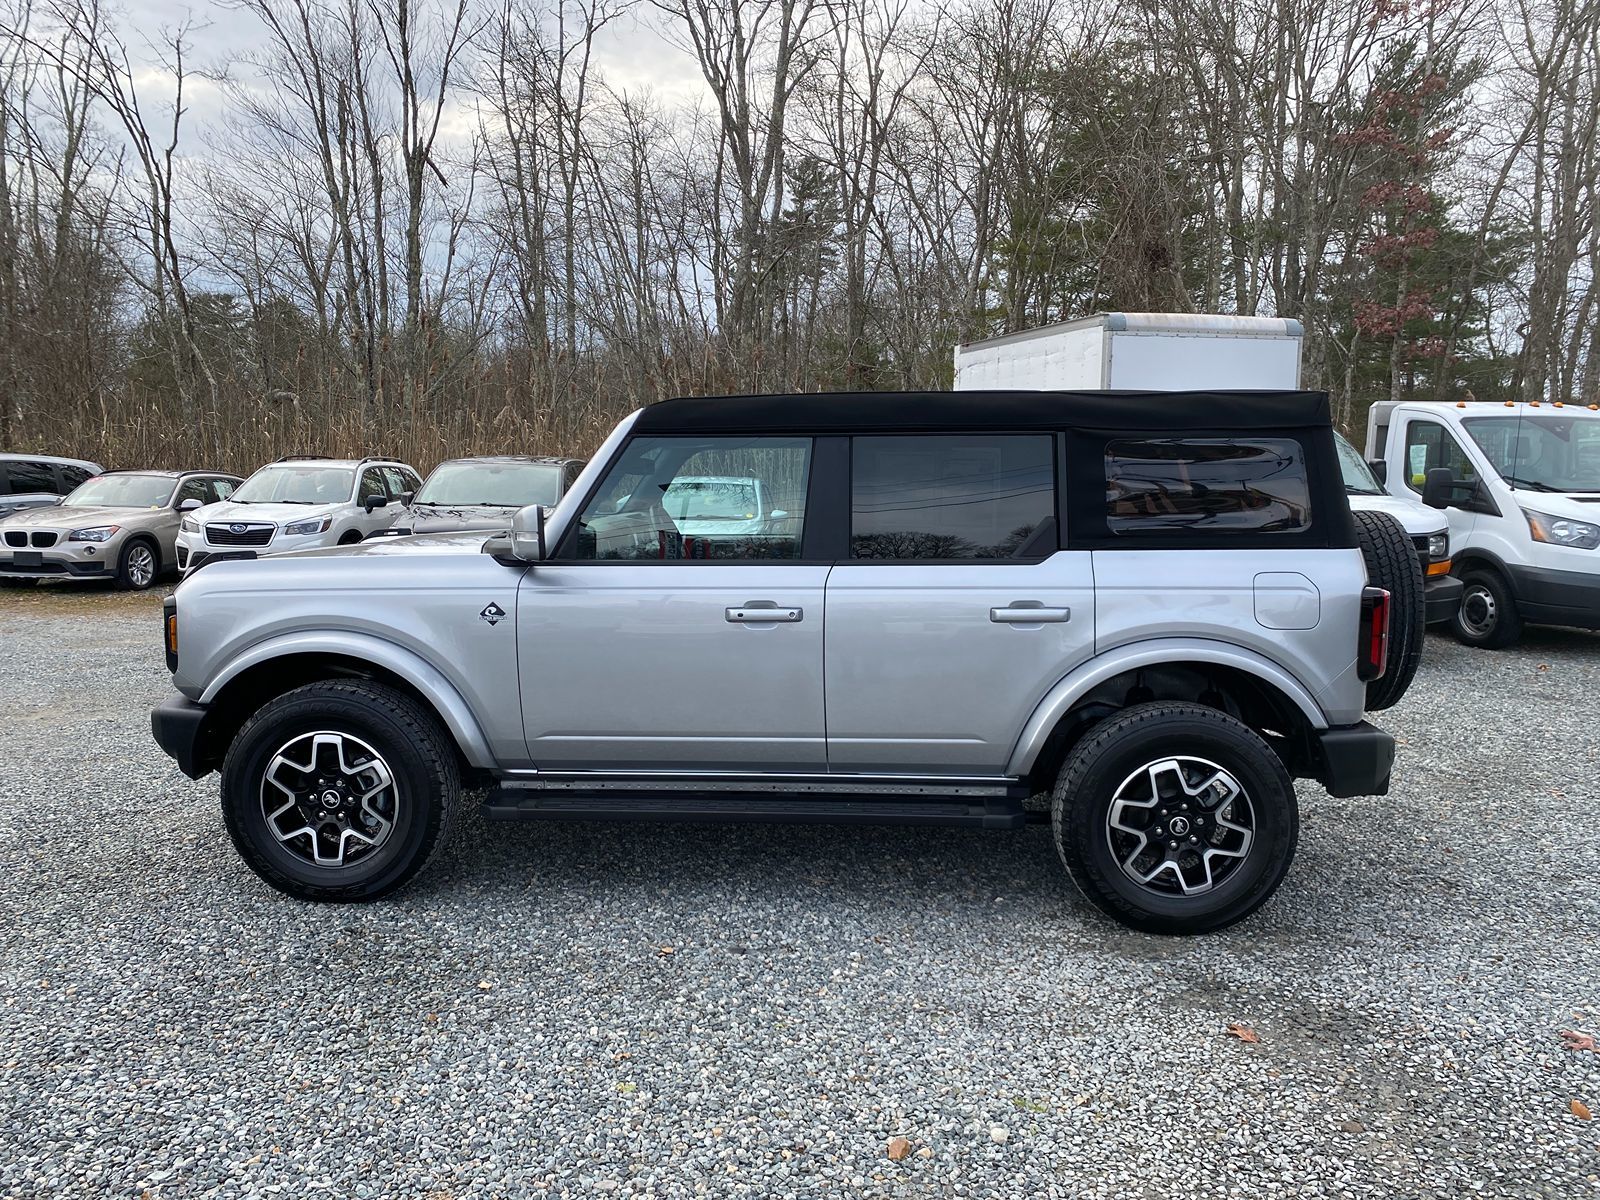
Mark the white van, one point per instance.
(1524, 505)
(1195, 351)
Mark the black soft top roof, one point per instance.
(857, 412)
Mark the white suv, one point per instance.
(298, 503)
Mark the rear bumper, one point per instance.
(178, 724)
(1442, 597)
(1548, 597)
(1353, 760)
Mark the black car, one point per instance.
(482, 493)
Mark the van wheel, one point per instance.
(340, 790)
(1393, 565)
(1175, 818)
(1488, 616)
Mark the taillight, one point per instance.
(1372, 656)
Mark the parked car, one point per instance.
(298, 503)
(121, 525)
(37, 480)
(1521, 483)
(1021, 592)
(483, 492)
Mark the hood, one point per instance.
(426, 518)
(229, 512)
(1580, 506)
(1415, 517)
(58, 516)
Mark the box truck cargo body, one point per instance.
(1159, 352)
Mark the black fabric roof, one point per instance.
(855, 412)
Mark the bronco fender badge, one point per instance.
(494, 614)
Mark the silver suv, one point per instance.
(1158, 612)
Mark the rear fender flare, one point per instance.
(1060, 699)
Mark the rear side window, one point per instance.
(30, 477)
(71, 477)
(1158, 485)
(952, 496)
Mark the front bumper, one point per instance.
(1547, 597)
(193, 560)
(64, 560)
(179, 726)
(1353, 760)
(1441, 596)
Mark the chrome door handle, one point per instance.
(1026, 614)
(752, 614)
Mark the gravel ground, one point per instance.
(582, 1010)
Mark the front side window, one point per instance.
(1429, 445)
(371, 486)
(1541, 453)
(122, 491)
(192, 489)
(296, 483)
(220, 489)
(1213, 485)
(30, 477)
(71, 477)
(952, 496)
(692, 498)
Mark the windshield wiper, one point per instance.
(1532, 485)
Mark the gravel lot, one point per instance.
(582, 1010)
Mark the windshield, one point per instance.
(122, 491)
(296, 483)
(1358, 477)
(711, 499)
(506, 485)
(1543, 453)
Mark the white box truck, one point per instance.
(1161, 352)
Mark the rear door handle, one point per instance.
(1029, 613)
(763, 614)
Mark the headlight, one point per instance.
(320, 525)
(1558, 531)
(1438, 547)
(100, 533)
(189, 525)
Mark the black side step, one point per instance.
(528, 804)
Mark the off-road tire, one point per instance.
(1392, 564)
(1117, 748)
(127, 579)
(1493, 622)
(417, 750)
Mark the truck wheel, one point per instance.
(340, 790)
(1488, 616)
(1175, 818)
(137, 565)
(1393, 565)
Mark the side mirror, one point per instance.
(190, 504)
(1439, 488)
(406, 498)
(377, 502)
(1379, 469)
(525, 542)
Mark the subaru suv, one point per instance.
(1157, 612)
(298, 503)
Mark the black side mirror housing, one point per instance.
(377, 502)
(406, 498)
(1379, 469)
(1439, 488)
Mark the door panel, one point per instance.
(932, 669)
(671, 666)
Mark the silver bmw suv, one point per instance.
(1153, 609)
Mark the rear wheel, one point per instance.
(1393, 565)
(1175, 818)
(137, 565)
(340, 790)
(1488, 616)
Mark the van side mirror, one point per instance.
(1379, 469)
(1439, 488)
(525, 541)
(190, 504)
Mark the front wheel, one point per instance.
(137, 566)
(340, 790)
(1175, 818)
(1488, 616)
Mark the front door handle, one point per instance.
(763, 613)
(1029, 612)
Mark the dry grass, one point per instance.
(71, 599)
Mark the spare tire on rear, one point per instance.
(1392, 564)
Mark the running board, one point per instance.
(524, 804)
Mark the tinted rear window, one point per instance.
(30, 477)
(1159, 485)
(952, 496)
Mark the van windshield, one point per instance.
(1542, 453)
(1358, 477)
